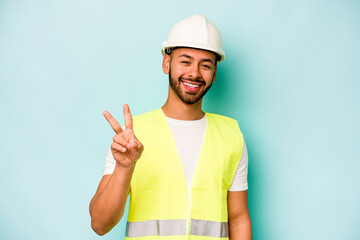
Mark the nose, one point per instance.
(194, 71)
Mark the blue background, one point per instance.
(291, 79)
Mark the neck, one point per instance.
(177, 109)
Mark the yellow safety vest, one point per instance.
(160, 207)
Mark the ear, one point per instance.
(166, 64)
(214, 76)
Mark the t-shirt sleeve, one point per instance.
(240, 179)
(109, 163)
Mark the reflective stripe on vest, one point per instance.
(156, 228)
(177, 227)
(209, 228)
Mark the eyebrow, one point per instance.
(190, 57)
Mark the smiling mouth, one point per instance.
(193, 87)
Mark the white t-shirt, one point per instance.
(189, 150)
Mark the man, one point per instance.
(185, 170)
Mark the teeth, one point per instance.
(191, 85)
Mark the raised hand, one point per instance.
(126, 148)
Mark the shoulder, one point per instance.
(225, 124)
(222, 118)
(223, 121)
(146, 120)
(147, 115)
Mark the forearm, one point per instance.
(107, 206)
(240, 230)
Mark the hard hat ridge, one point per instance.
(195, 32)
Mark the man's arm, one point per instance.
(108, 204)
(239, 217)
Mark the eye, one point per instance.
(206, 66)
(185, 62)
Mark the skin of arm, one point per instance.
(108, 204)
(239, 217)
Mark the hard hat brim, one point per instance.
(217, 51)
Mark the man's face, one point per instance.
(191, 73)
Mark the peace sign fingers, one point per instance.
(126, 148)
(128, 117)
(113, 123)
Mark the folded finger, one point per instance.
(138, 146)
(118, 147)
(118, 139)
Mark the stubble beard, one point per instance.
(188, 97)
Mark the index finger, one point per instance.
(128, 117)
(113, 123)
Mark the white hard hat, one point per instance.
(195, 32)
